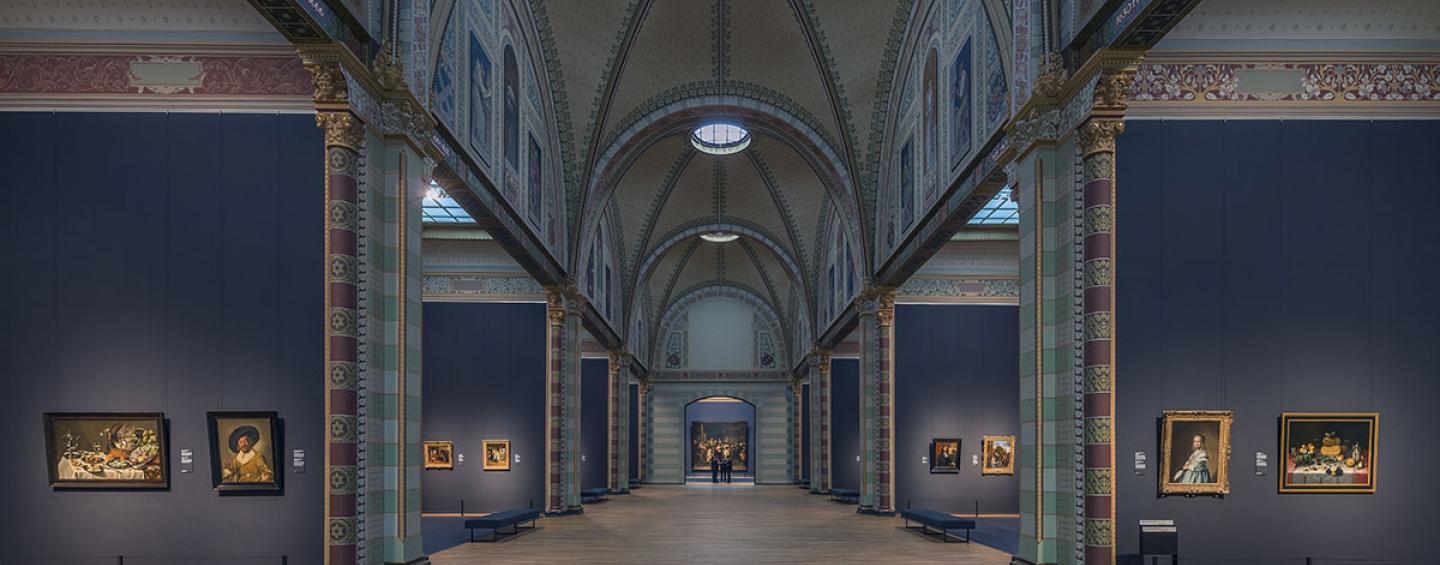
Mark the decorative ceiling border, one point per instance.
(481, 287)
(959, 290)
(884, 88)
(767, 177)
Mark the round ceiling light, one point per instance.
(720, 138)
(720, 236)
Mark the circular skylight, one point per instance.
(720, 138)
(720, 236)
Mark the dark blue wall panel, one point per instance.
(485, 379)
(722, 412)
(161, 262)
(845, 423)
(594, 424)
(1270, 266)
(956, 376)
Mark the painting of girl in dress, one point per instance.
(1195, 453)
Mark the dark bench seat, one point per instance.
(593, 494)
(844, 494)
(500, 520)
(939, 521)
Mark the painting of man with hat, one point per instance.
(243, 450)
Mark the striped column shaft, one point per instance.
(555, 455)
(797, 404)
(824, 374)
(816, 471)
(868, 415)
(343, 135)
(1097, 144)
(643, 413)
(613, 439)
(884, 405)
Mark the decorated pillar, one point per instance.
(797, 438)
(643, 429)
(877, 432)
(562, 459)
(619, 420)
(819, 362)
(343, 135)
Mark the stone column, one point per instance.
(619, 420)
(797, 435)
(819, 361)
(643, 430)
(562, 459)
(877, 433)
(343, 135)
(1097, 148)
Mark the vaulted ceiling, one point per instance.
(636, 76)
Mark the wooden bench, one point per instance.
(594, 494)
(939, 521)
(499, 520)
(844, 494)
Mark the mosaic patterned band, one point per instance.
(1097, 143)
(343, 134)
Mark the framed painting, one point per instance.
(997, 455)
(99, 450)
(439, 455)
(244, 449)
(945, 455)
(960, 124)
(1329, 451)
(497, 454)
(719, 441)
(1195, 452)
(480, 100)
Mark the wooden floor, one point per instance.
(702, 524)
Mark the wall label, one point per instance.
(1141, 462)
(1262, 463)
(297, 460)
(187, 461)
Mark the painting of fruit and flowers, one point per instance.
(106, 450)
(1329, 452)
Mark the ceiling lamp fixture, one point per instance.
(720, 236)
(720, 138)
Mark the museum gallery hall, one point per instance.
(454, 282)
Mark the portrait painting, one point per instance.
(244, 451)
(497, 454)
(944, 455)
(480, 100)
(439, 455)
(722, 441)
(120, 450)
(1329, 451)
(512, 110)
(1195, 452)
(997, 455)
(960, 104)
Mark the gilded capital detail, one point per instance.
(1098, 136)
(341, 129)
(329, 79)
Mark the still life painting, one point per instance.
(106, 450)
(1329, 452)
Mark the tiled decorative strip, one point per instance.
(1286, 82)
(154, 75)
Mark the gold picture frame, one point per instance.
(439, 455)
(496, 453)
(1195, 436)
(1329, 452)
(997, 455)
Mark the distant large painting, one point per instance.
(960, 105)
(725, 440)
(106, 450)
(480, 93)
(1328, 452)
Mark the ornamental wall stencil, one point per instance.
(1255, 82)
(42, 73)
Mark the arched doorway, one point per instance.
(723, 428)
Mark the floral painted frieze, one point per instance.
(959, 290)
(1226, 82)
(42, 73)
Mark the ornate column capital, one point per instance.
(341, 128)
(1051, 78)
(1098, 135)
(1110, 89)
(885, 309)
(387, 69)
(819, 356)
